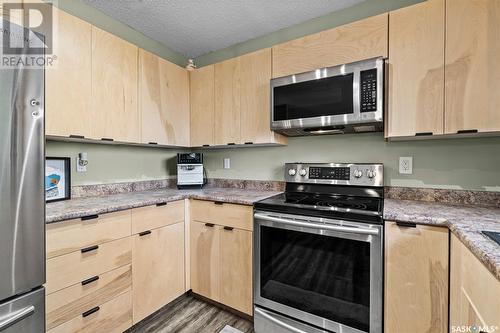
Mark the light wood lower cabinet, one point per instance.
(158, 268)
(474, 292)
(416, 279)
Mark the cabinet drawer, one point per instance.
(69, 236)
(73, 268)
(231, 215)
(152, 217)
(71, 302)
(112, 316)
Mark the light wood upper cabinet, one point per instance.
(416, 70)
(472, 65)
(416, 279)
(355, 41)
(68, 81)
(163, 101)
(474, 291)
(157, 269)
(255, 99)
(227, 102)
(202, 100)
(114, 88)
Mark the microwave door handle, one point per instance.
(16, 317)
(352, 230)
(279, 322)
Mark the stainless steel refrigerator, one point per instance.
(22, 202)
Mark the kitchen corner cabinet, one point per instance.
(474, 291)
(202, 101)
(355, 41)
(416, 278)
(472, 66)
(68, 81)
(227, 102)
(114, 88)
(163, 101)
(416, 70)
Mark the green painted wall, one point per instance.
(457, 164)
(357, 12)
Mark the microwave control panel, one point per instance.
(368, 93)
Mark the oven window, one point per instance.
(323, 97)
(325, 276)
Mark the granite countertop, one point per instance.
(75, 208)
(466, 222)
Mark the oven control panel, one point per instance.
(359, 174)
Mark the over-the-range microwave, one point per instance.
(341, 99)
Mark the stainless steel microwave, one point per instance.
(334, 100)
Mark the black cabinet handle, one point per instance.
(152, 143)
(209, 225)
(467, 131)
(90, 248)
(228, 228)
(91, 311)
(205, 145)
(144, 233)
(90, 217)
(231, 143)
(161, 204)
(90, 280)
(107, 139)
(220, 203)
(73, 136)
(249, 143)
(423, 133)
(406, 224)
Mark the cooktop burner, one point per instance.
(332, 201)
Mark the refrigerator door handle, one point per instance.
(16, 317)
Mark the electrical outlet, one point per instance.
(406, 165)
(227, 163)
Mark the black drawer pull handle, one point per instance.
(228, 228)
(90, 248)
(90, 217)
(231, 143)
(249, 143)
(107, 139)
(90, 280)
(467, 131)
(152, 143)
(144, 233)
(205, 145)
(73, 136)
(423, 133)
(209, 225)
(406, 224)
(218, 203)
(161, 204)
(91, 311)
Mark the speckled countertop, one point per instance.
(75, 208)
(466, 222)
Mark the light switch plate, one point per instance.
(406, 165)
(227, 163)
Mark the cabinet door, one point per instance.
(157, 269)
(205, 259)
(227, 102)
(236, 269)
(416, 70)
(356, 41)
(255, 99)
(416, 279)
(114, 88)
(163, 101)
(472, 65)
(68, 81)
(202, 106)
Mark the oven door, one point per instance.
(327, 273)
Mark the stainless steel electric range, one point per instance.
(318, 251)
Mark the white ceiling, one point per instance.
(196, 27)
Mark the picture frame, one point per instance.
(57, 179)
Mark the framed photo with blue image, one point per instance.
(57, 178)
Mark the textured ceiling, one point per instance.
(196, 27)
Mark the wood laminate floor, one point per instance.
(188, 314)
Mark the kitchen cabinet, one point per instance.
(472, 66)
(355, 41)
(416, 278)
(227, 102)
(114, 88)
(202, 101)
(474, 291)
(68, 81)
(163, 101)
(416, 70)
(255, 99)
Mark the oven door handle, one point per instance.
(278, 322)
(352, 230)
